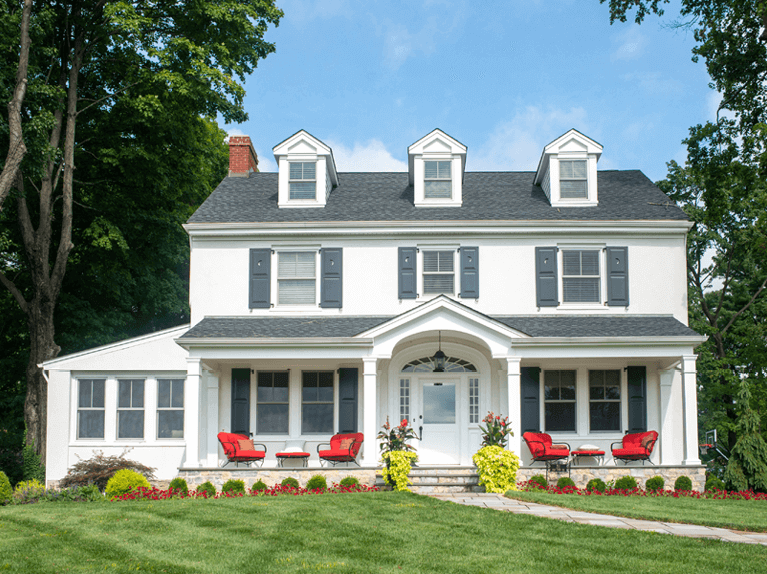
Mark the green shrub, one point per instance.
(497, 468)
(124, 481)
(258, 486)
(178, 485)
(596, 484)
(654, 483)
(99, 469)
(28, 491)
(683, 483)
(208, 488)
(90, 493)
(317, 482)
(565, 481)
(540, 480)
(5, 489)
(32, 465)
(234, 486)
(349, 481)
(291, 482)
(626, 483)
(713, 483)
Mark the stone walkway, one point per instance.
(499, 502)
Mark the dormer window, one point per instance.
(303, 180)
(567, 172)
(437, 181)
(573, 179)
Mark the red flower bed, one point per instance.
(712, 494)
(142, 493)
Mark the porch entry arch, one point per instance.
(445, 408)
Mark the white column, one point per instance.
(369, 410)
(212, 432)
(690, 402)
(513, 375)
(666, 417)
(192, 412)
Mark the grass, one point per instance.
(748, 515)
(387, 532)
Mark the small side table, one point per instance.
(597, 454)
(281, 456)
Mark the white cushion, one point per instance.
(294, 446)
(588, 447)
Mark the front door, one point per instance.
(438, 422)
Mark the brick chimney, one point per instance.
(242, 156)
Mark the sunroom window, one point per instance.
(303, 180)
(437, 181)
(573, 182)
(90, 408)
(170, 408)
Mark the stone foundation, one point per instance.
(582, 474)
(272, 476)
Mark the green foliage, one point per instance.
(179, 485)
(654, 483)
(28, 491)
(395, 438)
(626, 483)
(5, 488)
(124, 481)
(99, 469)
(348, 481)
(208, 488)
(291, 482)
(540, 480)
(33, 466)
(496, 431)
(565, 481)
(497, 468)
(258, 486)
(596, 484)
(747, 467)
(317, 482)
(234, 486)
(713, 483)
(397, 468)
(683, 483)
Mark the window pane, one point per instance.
(572, 169)
(130, 424)
(86, 393)
(163, 394)
(605, 416)
(596, 393)
(265, 394)
(302, 189)
(123, 394)
(613, 393)
(177, 397)
(573, 189)
(299, 264)
(439, 404)
(296, 292)
(560, 417)
(444, 169)
(567, 392)
(296, 170)
(590, 262)
(138, 394)
(170, 424)
(580, 290)
(90, 424)
(438, 189)
(430, 169)
(438, 283)
(317, 418)
(612, 378)
(272, 419)
(571, 262)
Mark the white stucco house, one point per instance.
(320, 297)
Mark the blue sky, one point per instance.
(504, 78)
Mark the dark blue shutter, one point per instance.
(347, 400)
(546, 276)
(331, 288)
(637, 391)
(470, 272)
(530, 390)
(407, 273)
(617, 276)
(260, 278)
(240, 401)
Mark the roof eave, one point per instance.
(273, 342)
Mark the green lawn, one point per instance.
(385, 532)
(736, 514)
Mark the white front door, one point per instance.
(437, 422)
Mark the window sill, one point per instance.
(600, 307)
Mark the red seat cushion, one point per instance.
(292, 454)
(589, 452)
(630, 453)
(250, 454)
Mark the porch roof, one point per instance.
(583, 326)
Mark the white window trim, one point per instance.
(600, 305)
(158, 408)
(334, 423)
(76, 403)
(419, 186)
(275, 285)
(120, 409)
(290, 181)
(256, 403)
(576, 401)
(555, 180)
(621, 400)
(456, 270)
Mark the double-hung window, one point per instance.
(170, 408)
(573, 182)
(580, 276)
(559, 393)
(272, 409)
(90, 408)
(317, 402)
(605, 400)
(439, 272)
(130, 408)
(296, 278)
(438, 183)
(303, 180)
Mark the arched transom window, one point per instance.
(452, 365)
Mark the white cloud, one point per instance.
(368, 156)
(631, 44)
(266, 161)
(235, 132)
(517, 144)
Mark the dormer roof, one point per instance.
(436, 141)
(304, 143)
(571, 141)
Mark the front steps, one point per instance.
(441, 479)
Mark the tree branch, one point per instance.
(106, 97)
(11, 286)
(746, 306)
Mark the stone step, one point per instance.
(441, 480)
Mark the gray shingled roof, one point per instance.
(623, 195)
(538, 326)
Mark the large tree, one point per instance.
(112, 118)
(723, 188)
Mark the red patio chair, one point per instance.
(343, 448)
(635, 446)
(542, 450)
(240, 448)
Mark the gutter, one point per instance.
(283, 342)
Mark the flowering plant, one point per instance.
(395, 438)
(496, 430)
